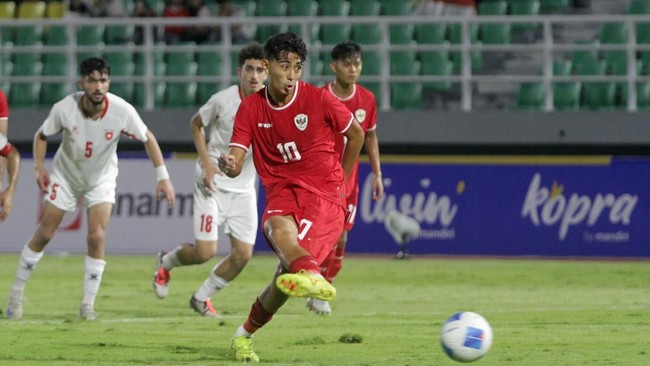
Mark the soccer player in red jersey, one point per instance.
(4, 127)
(291, 126)
(347, 65)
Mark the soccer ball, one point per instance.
(466, 336)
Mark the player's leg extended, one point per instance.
(98, 217)
(266, 305)
(329, 269)
(30, 256)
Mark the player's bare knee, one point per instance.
(204, 253)
(96, 237)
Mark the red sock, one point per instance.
(306, 262)
(257, 317)
(332, 264)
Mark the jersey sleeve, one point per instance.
(336, 113)
(4, 107)
(372, 113)
(242, 134)
(134, 127)
(209, 111)
(53, 124)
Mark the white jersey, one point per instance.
(87, 154)
(219, 114)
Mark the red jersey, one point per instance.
(4, 107)
(364, 107)
(294, 144)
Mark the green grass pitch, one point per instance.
(543, 312)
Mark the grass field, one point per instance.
(542, 313)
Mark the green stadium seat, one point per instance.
(304, 8)
(396, 8)
(639, 7)
(404, 63)
(158, 95)
(494, 33)
(614, 33)
(204, 91)
(119, 34)
(375, 88)
(455, 37)
(53, 92)
(209, 63)
(90, 35)
(372, 62)
(524, 8)
(29, 35)
(530, 96)
(366, 33)
(118, 57)
(596, 95)
(553, 5)
(55, 64)
(590, 67)
(331, 34)
(7, 11)
(436, 63)
(55, 36)
(562, 67)
(401, 33)
(270, 8)
(364, 7)
(122, 67)
(580, 57)
(566, 96)
(27, 64)
(431, 33)
(24, 95)
(317, 66)
(180, 95)
(642, 96)
(406, 95)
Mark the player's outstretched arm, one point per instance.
(372, 149)
(231, 163)
(164, 186)
(198, 134)
(39, 150)
(6, 196)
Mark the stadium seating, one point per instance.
(431, 33)
(553, 5)
(119, 34)
(7, 11)
(530, 96)
(331, 34)
(31, 9)
(524, 8)
(304, 8)
(436, 63)
(55, 9)
(396, 8)
(406, 95)
(566, 96)
(24, 95)
(494, 33)
(270, 8)
(642, 96)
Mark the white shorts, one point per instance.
(237, 211)
(64, 196)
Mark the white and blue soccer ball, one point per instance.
(466, 336)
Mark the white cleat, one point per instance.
(15, 305)
(87, 312)
(320, 307)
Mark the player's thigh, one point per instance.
(206, 215)
(238, 212)
(99, 215)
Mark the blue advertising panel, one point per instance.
(510, 206)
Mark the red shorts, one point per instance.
(320, 222)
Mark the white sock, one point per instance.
(170, 261)
(242, 332)
(210, 286)
(26, 264)
(92, 279)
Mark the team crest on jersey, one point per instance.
(360, 115)
(301, 121)
(108, 135)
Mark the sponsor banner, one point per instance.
(591, 206)
(139, 223)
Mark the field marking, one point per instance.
(6, 322)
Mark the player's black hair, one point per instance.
(253, 51)
(281, 44)
(347, 49)
(87, 66)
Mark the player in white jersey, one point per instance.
(219, 200)
(13, 166)
(85, 165)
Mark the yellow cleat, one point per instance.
(306, 284)
(243, 347)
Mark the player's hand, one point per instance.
(377, 187)
(42, 179)
(6, 202)
(166, 189)
(227, 163)
(208, 175)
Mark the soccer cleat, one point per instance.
(204, 308)
(161, 277)
(319, 307)
(15, 305)
(306, 284)
(87, 312)
(243, 347)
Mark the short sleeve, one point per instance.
(372, 113)
(134, 127)
(336, 113)
(242, 135)
(53, 123)
(4, 107)
(209, 111)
